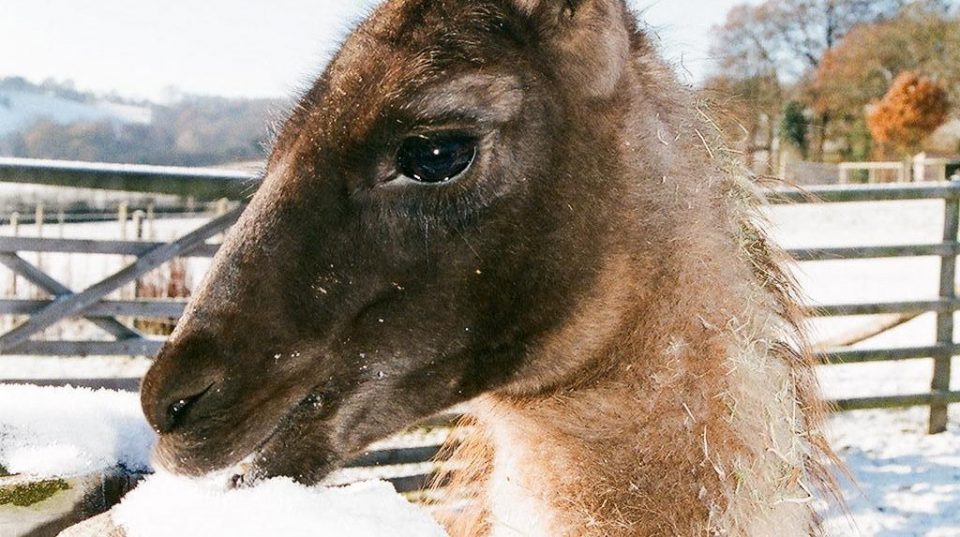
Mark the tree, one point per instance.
(794, 126)
(787, 39)
(860, 69)
(802, 31)
(914, 107)
(747, 85)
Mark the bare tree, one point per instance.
(785, 40)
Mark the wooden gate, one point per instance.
(89, 303)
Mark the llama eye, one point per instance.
(436, 158)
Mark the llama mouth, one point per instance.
(252, 469)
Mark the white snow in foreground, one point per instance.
(169, 506)
(66, 432)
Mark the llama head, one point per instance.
(439, 207)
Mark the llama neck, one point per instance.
(706, 442)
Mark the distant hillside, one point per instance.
(23, 104)
(55, 121)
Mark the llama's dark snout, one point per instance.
(174, 398)
(178, 412)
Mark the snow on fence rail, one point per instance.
(206, 184)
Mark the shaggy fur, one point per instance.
(595, 285)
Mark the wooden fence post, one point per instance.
(151, 216)
(948, 291)
(123, 215)
(222, 206)
(122, 212)
(138, 217)
(38, 217)
(15, 228)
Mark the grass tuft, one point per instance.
(31, 493)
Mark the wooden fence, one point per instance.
(942, 352)
(206, 184)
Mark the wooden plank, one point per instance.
(128, 347)
(42, 280)
(84, 246)
(875, 252)
(116, 384)
(856, 356)
(75, 304)
(412, 483)
(856, 193)
(202, 184)
(897, 401)
(142, 309)
(392, 457)
(946, 305)
(885, 165)
(945, 319)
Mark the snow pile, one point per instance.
(169, 506)
(63, 432)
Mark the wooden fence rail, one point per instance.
(940, 394)
(70, 304)
(211, 184)
(202, 184)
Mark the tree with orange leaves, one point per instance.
(912, 109)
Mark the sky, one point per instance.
(237, 48)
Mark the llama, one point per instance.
(511, 203)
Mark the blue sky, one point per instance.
(142, 48)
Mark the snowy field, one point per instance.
(908, 483)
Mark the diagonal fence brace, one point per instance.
(75, 304)
(42, 280)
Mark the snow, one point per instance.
(63, 432)
(21, 109)
(908, 482)
(66, 432)
(168, 506)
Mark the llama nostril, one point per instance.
(178, 411)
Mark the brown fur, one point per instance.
(595, 285)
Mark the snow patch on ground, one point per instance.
(67, 432)
(169, 506)
(907, 482)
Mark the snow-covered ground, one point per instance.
(908, 483)
(21, 109)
